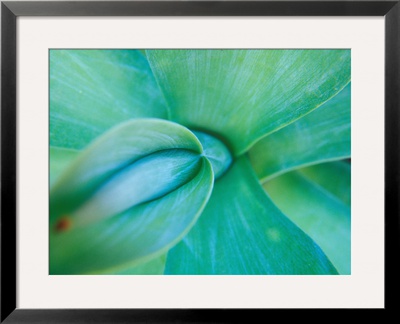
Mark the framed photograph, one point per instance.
(183, 161)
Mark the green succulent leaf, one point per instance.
(59, 159)
(246, 94)
(318, 212)
(135, 236)
(121, 202)
(242, 232)
(334, 177)
(216, 152)
(157, 159)
(322, 135)
(118, 151)
(147, 179)
(155, 266)
(93, 90)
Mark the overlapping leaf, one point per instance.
(246, 94)
(121, 202)
(334, 177)
(322, 135)
(239, 96)
(59, 159)
(155, 266)
(320, 213)
(93, 90)
(216, 152)
(242, 232)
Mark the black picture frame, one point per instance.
(11, 10)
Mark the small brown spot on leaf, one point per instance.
(63, 224)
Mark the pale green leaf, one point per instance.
(216, 152)
(123, 201)
(93, 90)
(59, 159)
(335, 177)
(155, 266)
(149, 178)
(243, 95)
(323, 135)
(112, 153)
(242, 232)
(319, 213)
(135, 236)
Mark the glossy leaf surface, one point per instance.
(334, 177)
(320, 136)
(147, 179)
(123, 200)
(134, 193)
(318, 212)
(246, 94)
(59, 159)
(155, 266)
(93, 90)
(135, 236)
(216, 152)
(113, 152)
(242, 232)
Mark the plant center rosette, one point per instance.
(140, 174)
(246, 181)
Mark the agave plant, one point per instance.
(200, 162)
